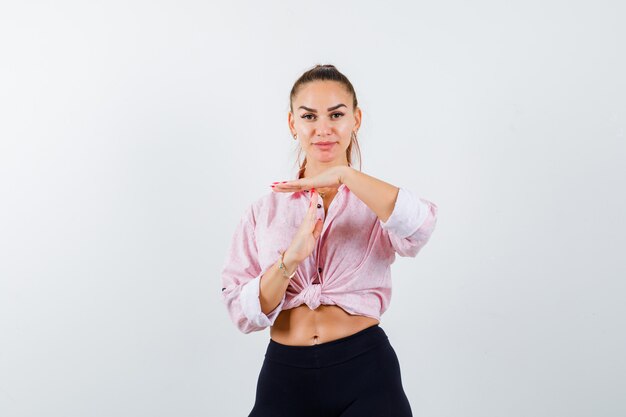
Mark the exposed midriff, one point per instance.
(301, 326)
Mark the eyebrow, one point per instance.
(328, 109)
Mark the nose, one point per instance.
(324, 129)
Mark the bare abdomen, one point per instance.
(301, 326)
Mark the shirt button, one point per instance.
(319, 206)
(319, 269)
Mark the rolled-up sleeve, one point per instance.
(241, 277)
(411, 223)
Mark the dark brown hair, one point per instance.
(326, 73)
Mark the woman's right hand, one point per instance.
(306, 236)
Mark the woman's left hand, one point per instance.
(330, 178)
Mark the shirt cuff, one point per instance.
(408, 215)
(251, 305)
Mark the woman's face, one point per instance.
(322, 113)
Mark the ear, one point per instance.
(357, 118)
(291, 122)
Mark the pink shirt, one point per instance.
(350, 266)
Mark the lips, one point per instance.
(324, 145)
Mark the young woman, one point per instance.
(311, 259)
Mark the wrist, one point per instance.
(290, 262)
(344, 174)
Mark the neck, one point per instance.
(314, 168)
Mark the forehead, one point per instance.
(322, 93)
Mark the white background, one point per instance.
(133, 135)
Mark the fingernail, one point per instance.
(275, 182)
(312, 190)
(284, 181)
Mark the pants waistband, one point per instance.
(328, 353)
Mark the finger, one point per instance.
(288, 186)
(313, 201)
(283, 189)
(297, 184)
(286, 190)
(311, 214)
(317, 231)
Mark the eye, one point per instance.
(305, 116)
(339, 113)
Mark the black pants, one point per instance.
(355, 376)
